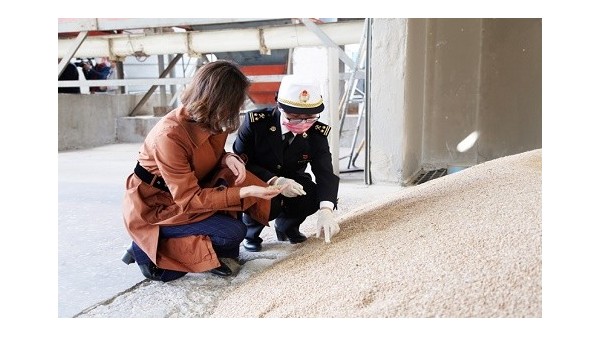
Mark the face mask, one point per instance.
(298, 128)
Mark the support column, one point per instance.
(388, 112)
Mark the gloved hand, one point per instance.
(327, 224)
(291, 188)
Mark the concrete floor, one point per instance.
(92, 237)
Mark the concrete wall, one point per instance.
(86, 121)
(451, 90)
(388, 110)
(510, 118)
(435, 81)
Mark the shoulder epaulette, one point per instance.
(258, 115)
(321, 128)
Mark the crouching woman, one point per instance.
(183, 200)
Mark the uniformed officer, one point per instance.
(278, 144)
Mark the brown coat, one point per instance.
(187, 157)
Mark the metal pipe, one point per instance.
(368, 178)
(202, 42)
(68, 25)
(157, 81)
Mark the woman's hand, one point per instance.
(237, 168)
(261, 192)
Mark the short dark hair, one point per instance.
(215, 96)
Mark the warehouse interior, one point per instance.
(415, 89)
(429, 91)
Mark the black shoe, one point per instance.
(222, 270)
(281, 236)
(150, 271)
(293, 235)
(253, 246)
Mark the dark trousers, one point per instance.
(226, 234)
(288, 212)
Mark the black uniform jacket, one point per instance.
(259, 142)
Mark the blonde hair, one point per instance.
(215, 96)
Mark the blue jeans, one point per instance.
(225, 232)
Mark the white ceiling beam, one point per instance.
(107, 24)
(196, 43)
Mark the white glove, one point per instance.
(291, 188)
(327, 224)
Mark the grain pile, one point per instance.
(464, 245)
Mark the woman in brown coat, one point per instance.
(182, 202)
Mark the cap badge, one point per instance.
(304, 96)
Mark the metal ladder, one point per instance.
(352, 94)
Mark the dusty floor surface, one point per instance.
(464, 245)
